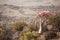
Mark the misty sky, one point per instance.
(30, 2)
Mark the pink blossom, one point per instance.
(43, 13)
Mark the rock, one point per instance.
(49, 27)
(58, 33)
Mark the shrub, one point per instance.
(29, 36)
(18, 26)
(2, 33)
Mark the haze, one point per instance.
(31, 2)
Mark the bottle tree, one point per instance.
(42, 16)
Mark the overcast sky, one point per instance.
(30, 2)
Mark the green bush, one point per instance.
(29, 36)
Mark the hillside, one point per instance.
(11, 13)
(19, 23)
